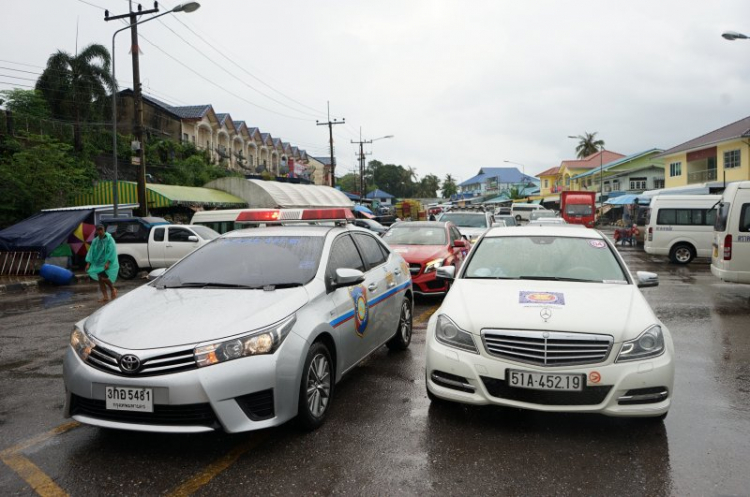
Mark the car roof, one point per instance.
(560, 230)
(420, 224)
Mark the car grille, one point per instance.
(172, 415)
(257, 406)
(589, 396)
(415, 268)
(547, 348)
(175, 362)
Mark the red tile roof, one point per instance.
(549, 172)
(592, 160)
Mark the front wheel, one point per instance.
(682, 254)
(316, 387)
(402, 338)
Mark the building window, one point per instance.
(546, 183)
(185, 138)
(658, 183)
(638, 183)
(615, 185)
(731, 159)
(675, 169)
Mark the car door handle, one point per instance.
(169, 246)
(372, 287)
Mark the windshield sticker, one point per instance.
(553, 298)
(599, 244)
(361, 311)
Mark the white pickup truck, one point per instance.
(144, 247)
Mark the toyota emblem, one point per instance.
(546, 314)
(129, 363)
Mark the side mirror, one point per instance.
(347, 277)
(646, 279)
(192, 238)
(459, 243)
(446, 273)
(155, 273)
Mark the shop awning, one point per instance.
(42, 232)
(162, 196)
(622, 200)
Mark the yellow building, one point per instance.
(722, 154)
(560, 178)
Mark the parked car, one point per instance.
(426, 246)
(246, 333)
(538, 214)
(681, 226)
(470, 222)
(165, 244)
(730, 260)
(509, 220)
(370, 224)
(549, 319)
(522, 211)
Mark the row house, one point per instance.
(231, 143)
(560, 178)
(493, 180)
(632, 174)
(722, 155)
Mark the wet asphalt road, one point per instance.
(383, 436)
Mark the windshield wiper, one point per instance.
(556, 278)
(199, 284)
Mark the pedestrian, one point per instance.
(101, 262)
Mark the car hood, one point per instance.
(420, 253)
(150, 318)
(613, 309)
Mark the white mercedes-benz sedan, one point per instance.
(244, 333)
(549, 318)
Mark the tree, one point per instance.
(449, 186)
(428, 186)
(348, 183)
(29, 103)
(75, 86)
(588, 144)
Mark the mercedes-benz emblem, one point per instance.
(546, 314)
(129, 363)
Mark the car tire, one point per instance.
(518, 218)
(128, 267)
(316, 387)
(402, 338)
(682, 253)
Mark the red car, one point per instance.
(426, 246)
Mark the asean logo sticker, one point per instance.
(361, 311)
(598, 244)
(554, 298)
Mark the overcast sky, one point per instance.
(461, 84)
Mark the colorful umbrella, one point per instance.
(80, 239)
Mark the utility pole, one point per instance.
(330, 124)
(137, 101)
(362, 186)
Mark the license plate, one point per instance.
(129, 399)
(546, 381)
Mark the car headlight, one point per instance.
(264, 341)
(81, 343)
(433, 265)
(650, 343)
(448, 333)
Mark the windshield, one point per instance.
(578, 210)
(465, 219)
(545, 257)
(418, 235)
(205, 233)
(256, 262)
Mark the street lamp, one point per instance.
(733, 35)
(523, 168)
(186, 7)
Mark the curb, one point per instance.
(23, 285)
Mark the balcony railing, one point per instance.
(702, 176)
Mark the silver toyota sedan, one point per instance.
(247, 332)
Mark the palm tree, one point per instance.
(75, 86)
(588, 144)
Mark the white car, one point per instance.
(247, 332)
(471, 222)
(550, 319)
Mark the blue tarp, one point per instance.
(622, 200)
(362, 208)
(43, 231)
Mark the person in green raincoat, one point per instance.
(101, 262)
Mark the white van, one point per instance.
(681, 226)
(221, 220)
(730, 260)
(523, 211)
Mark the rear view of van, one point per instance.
(681, 226)
(730, 259)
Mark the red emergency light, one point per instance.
(292, 215)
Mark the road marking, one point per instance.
(30, 472)
(425, 315)
(205, 476)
